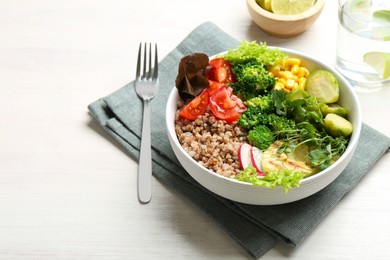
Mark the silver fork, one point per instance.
(146, 86)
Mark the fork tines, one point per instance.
(151, 73)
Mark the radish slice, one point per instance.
(244, 155)
(256, 158)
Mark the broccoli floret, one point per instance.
(252, 79)
(280, 125)
(265, 102)
(261, 137)
(252, 117)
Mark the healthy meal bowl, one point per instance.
(262, 125)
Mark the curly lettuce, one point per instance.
(249, 51)
(285, 178)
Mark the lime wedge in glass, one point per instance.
(382, 16)
(379, 61)
(358, 4)
(291, 6)
(382, 29)
(381, 33)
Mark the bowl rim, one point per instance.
(317, 7)
(351, 145)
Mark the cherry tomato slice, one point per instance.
(220, 70)
(196, 107)
(240, 107)
(214, 86)
(226, 106)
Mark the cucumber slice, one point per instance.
(323, 85)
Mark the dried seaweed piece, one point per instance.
(191, 79)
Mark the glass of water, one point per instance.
(363, 43)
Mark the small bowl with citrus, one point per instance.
(285, 18)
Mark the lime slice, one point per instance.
(383, 18)
(358, 4)
(291, 6)
(379, 61)
(381, 33)
(265, 4)
(382, 15)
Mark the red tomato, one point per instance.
(240, 107)
(220, 70)
(196, 107)
(225, 105)
(214, 86)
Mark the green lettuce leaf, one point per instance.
(285, 178)
(249, 51)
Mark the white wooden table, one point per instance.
(67, 192)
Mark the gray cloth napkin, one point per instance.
(256, 228)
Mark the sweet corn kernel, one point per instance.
(275, 71)
(292, 61)
(302, 82)
(283, 81)
(286, 74)
(295, 69)
(303, 72)
(290, 84)
(290, 75)
(279, 86)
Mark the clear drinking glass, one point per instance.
(363, 43)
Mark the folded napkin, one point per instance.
(256, 228)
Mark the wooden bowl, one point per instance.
(284, 25)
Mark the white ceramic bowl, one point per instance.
(246, 192)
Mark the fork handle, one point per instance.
(145, 160)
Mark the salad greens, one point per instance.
(311, 131)
(251, 62)
(296, 117)
(290, 114)
(286, 178)
(252, 79)
(190, 80)
(249, 51)
(296, 121)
